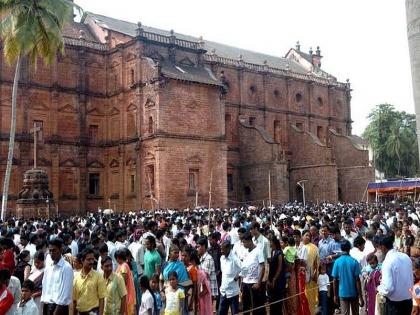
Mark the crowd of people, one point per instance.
(287, 259)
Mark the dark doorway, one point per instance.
(299, 194)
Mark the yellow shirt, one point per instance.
(115, 287)
(88, 290)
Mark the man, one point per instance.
(229, 288)
(112, 248)
(313, 230)
(238, 248)
(75, 243)
(252, 273)
(115, 300)
(234, 235)
(264, 244)
(207, 265)
(89, 289)
(347, 232)
(346, 271)
(57, 282)
(397, 279)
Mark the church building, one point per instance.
(135, 117)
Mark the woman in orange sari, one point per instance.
(124, 270)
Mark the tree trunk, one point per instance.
(11, 141)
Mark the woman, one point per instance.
(276, 277)
(23, 268)
(203, 287)
(36, 275)
(133, 266)
(7, 259)
(124, 270)
(192, 304)
(312, 266)
(174, 264)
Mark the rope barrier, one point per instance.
(282, 300)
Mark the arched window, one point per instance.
(132, 76)
(298, 97)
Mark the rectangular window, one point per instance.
(39, 124)
(252, 121)
(132, 183)
(193, 180)
(93, 133)
(299, 125)
(339, 131)
(230, 182)
(228, 128)
(94, 184)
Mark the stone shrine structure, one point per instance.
(137, 117)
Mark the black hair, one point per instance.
(359, 241)
(103, 248)
(173, 274)
(152, 240)
(105, 260)
(345, 246)
(28, 284)
(387, 242)
(39, 255)
(145, 283)
(86, 252)
(4, 275)
(203, 242)
(23, 254)
(121, 254)
(247, 236)
(57, 242)
(194, 257)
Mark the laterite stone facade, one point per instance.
(136, 117)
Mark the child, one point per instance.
(373, 279)
(323, 284)
(154, 285)
(174, 296)
(27, 305)
(290, 255)
(203, 287)
(148, 301)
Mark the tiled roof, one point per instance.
(189, 73)
(221, 50)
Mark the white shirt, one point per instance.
(302, 252)
(369, 248)
(359, 256)
(32, 250)
(137, 250)
(230, 267)
(14, 289)
(350, 237)
(234, 236)
(74, 248)
(264, 244)
(29, 308)
(397, 276)
(239, 250)
(146, 303)
(57, 283)
(251, 265)
(323, 282)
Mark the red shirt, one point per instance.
(6, 300)
(8, 261)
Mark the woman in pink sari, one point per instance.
(203, 287)
(124, 270)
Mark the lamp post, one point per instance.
(301, 184)
(48, 207)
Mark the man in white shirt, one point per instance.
(397, 279)
(57, 283)
(229, 289)
(263, 243)
(347, 233)
(26, 305)
(234, 236)
(238, 248)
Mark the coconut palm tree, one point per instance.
(29, 29)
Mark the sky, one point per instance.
(361, 40)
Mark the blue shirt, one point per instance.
(346, 269)
(325, 247)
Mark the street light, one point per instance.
(301, 184)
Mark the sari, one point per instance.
(179, 268)
(303, 301)
(205, 302)
(372, 283)
(124, 269)
(291, 304)
(312, 265)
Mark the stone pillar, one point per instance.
(413, 33)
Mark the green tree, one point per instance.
(29, 29)
(392, 135)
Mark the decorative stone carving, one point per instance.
(35, 199)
